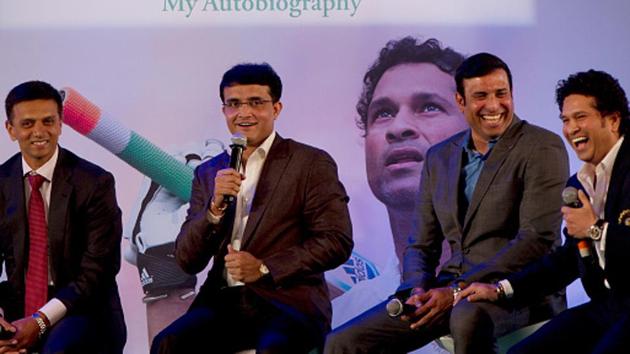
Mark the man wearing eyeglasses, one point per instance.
(289, 224)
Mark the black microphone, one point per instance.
(396, 307)
(570, 198)
(238, 145)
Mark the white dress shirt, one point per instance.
(251, 171)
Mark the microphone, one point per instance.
(238, 145)
(570, 198)
(396, 307)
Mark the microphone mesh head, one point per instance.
(394, 307)
(570, 196)
(238, 139)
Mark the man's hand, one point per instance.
(26, 335)
(226, 182)
(8, 345)
(579, 220)
(433, 306)
(478, 292)
(242, 266)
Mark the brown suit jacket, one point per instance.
(298, 225)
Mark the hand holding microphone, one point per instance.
(227, 182)
(578, 216)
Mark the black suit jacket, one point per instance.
(298, 225)
(564, 265)
(84, 233)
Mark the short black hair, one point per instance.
(608, 94)
(408, 50)
(29, 91)
(478, 65)
(252, 74)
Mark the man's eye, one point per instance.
(256, 103)
(382, 114)
(431, 107)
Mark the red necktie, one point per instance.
(37, 272)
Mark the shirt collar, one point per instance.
(263, 149)
(605, 165)
(46, 170)
(469, 146)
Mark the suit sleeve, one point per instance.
(422, 254)
(618, 241)
(100, 262)
(547, 275)
(545, 174)
(328, 231)
(198, 239)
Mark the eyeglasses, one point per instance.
(253, 104)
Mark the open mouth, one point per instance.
(403, 156)
(246, 124)
(39, 143)
(492, 118)
(579, 141)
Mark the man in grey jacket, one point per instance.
(493, 192)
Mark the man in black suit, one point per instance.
(490, 191)
(289, 224)
(595, 120)
(60, 231)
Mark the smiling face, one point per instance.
(487, 106)
(590, 133)
(412, 108)
(254, 123)
(36, 126)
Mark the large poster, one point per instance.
(154, 67)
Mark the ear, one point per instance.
(277, 108)
(10, 130)
(615, 121)
(461, 102)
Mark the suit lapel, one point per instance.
(620, 171)
(15, 193)
(454, 169)
(273, 169)
(492, 165)
(58, 210)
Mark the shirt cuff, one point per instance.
(507, 288)
(54, 310)
(213, 219)
(602, 241)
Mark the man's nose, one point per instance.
(401, 128)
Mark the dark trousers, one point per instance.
(237, 319)
(85, 334)
(474, 327)
(599, 326)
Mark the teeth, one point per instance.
(580, 139)
(245, 124)
(493, 118)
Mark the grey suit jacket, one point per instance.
(513, 217)
(299, 225)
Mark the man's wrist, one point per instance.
(456, 289)
(42, 322)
